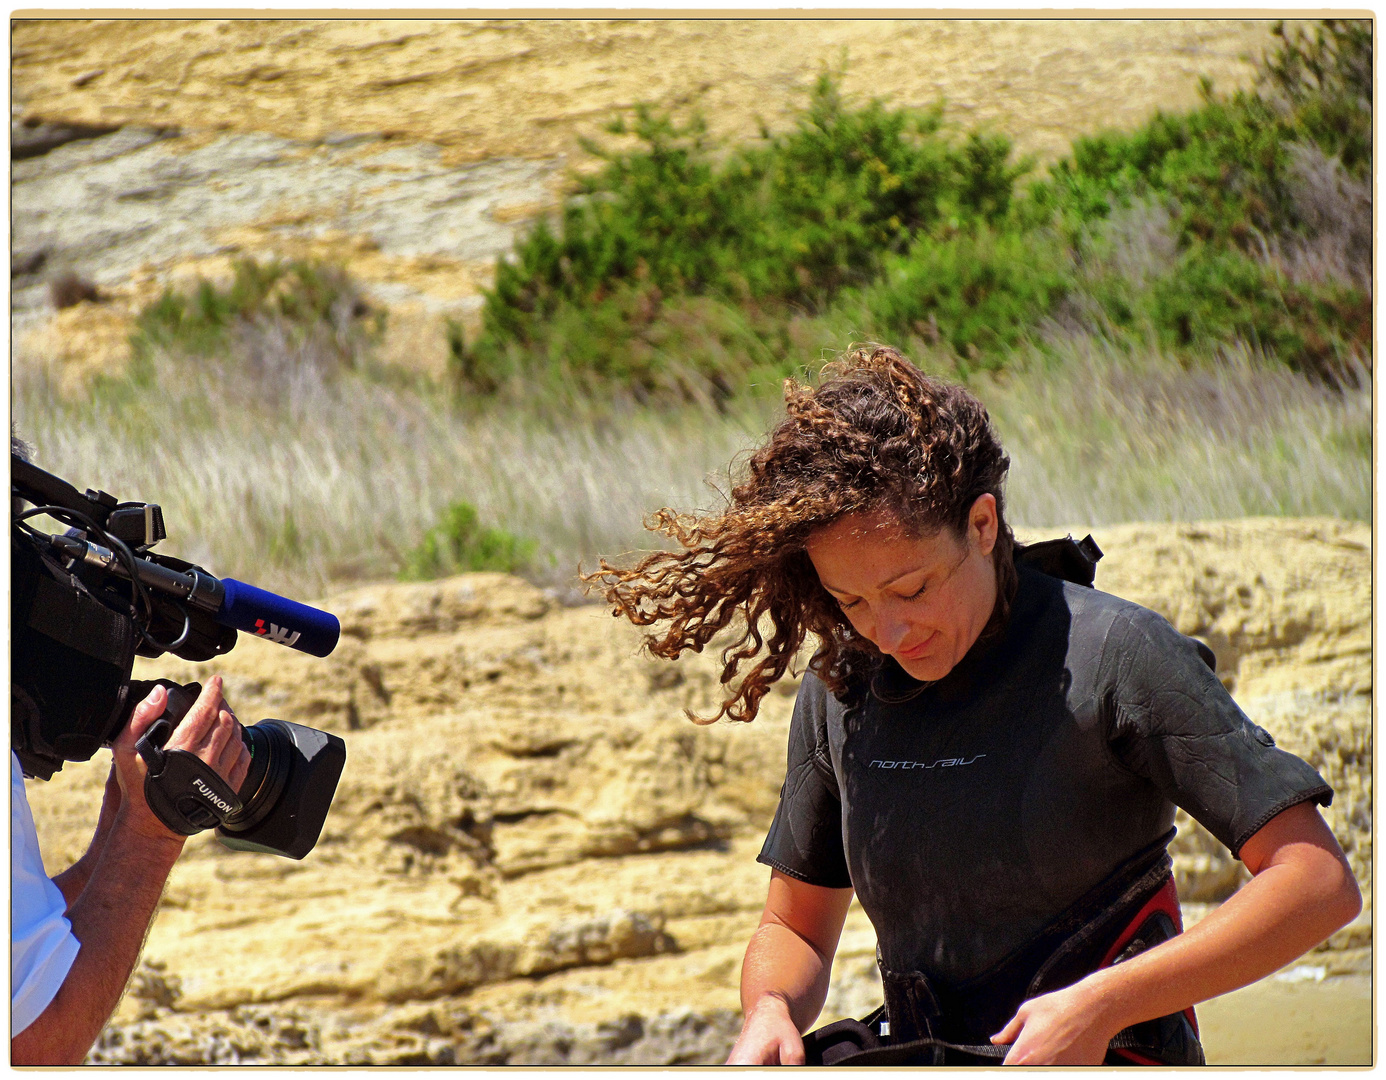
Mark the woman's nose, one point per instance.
(891, 631)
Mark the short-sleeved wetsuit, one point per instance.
(969, 814)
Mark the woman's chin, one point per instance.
(925, 668)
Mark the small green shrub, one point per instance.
(301, 298)
(460, 543)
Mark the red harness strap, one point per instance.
(1166, 901)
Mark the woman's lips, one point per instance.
(916, 651)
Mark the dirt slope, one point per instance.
(524, 88)
(533, 857)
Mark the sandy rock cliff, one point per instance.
(533, 857)
(151, 152)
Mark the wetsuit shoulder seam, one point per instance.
(1116, 711)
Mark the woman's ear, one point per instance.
(982, 523)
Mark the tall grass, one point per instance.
(337, 476)
(1101, 435)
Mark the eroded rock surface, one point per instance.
(534, 857)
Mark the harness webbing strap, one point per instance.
(900, 1053)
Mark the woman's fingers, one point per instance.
(792, 1051)
(1009, 1033)
(768, 1038)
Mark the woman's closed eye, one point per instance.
(903, 591)
(849, 604)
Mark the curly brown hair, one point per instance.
(876, 434)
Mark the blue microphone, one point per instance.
(277, 618)
(229, 602)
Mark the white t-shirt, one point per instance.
(42, 947)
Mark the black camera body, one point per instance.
(84, 604)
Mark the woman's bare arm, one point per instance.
(784, 979)
(1302, 890)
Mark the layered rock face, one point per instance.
(534, 857)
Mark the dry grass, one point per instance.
(1336, 212)
(333, 477)
(1101, 436)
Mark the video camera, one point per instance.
(85, 603)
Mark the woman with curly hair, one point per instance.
(988, 755)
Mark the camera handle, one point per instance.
(184, 792)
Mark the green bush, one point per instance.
(777, 227)
(1222, 166)
(1216, 297)
(1325, 80)
(681, 273)
(976, 292)
(460, 543)
(1225, 165)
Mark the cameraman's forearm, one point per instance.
(109, 919)
(74, 879)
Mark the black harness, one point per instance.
(926, 1023)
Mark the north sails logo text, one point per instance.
(941, 763)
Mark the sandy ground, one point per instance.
(1276, 1022)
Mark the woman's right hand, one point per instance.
(769, 1036)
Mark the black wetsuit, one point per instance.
(972, 813)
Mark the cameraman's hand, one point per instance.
(209, 730)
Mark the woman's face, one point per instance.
(923, 600)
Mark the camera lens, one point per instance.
(287, 792)
(271, 760)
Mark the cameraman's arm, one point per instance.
(74, 879)
(112, 913)
(110, 919)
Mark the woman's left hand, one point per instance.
(1062, 1028)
